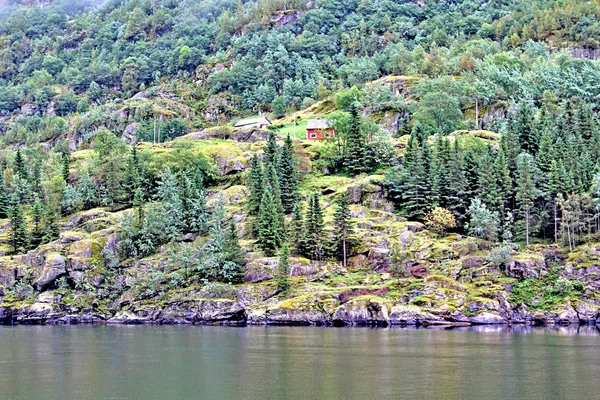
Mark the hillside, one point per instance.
(461, 185)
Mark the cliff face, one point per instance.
(398, 273)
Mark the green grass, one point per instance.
(298, 132)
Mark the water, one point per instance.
(192, 362)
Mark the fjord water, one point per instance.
(136, 362)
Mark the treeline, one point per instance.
(540, 180)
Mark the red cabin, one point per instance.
(317, 129)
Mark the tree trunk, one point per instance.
(344, 250)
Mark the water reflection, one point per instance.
(483, 362)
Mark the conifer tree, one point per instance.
(283, 267)
(87, 191)
(236, 259)
(50, 224)
(66, 174)
(526, 190)
(256, 185)
(224, 258)
(20, 169)
(37, 215)
(489, 191)
(193, 205)
(296, 230)
(270, 153)
(138, 203)
(314, 240)
(4, 200)
(19, 235)
(416, 183)
(343, 229)
(270, 232)
(287, 178)
(356, 161)
(132, 175)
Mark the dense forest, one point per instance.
(470, 118)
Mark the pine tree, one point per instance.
(138, 203)
(20, 169)
(416, 187)
(193, 205)
(50, 224)
(270, 152)
(70, 202)
(296, 230)
(171, 208)
(523, 126)
(287, 178)
(526, 190)
(489, 190)
(37, 215)
(235, 256)
(270, 232)
(19, 236)
(256, 185)
(356, 161)
(343, 229)
(283, 267)
(132, 179)
(87, 191)
(4, 200)
(66, 174)
(314, 240)
(457, 186)
(225, 260)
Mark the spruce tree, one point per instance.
(87, 191)
(356, 161)
(19, 235)
(270, 152)
(20, 169)
(283, 267)
(4, 200)
(51, 229)
(526, 190)
(296, 230)
(132, 175)
(343, 229)
(138, 204)
(287, 178)
(256, 185)
(314, 240)
(37, 215)
(489, 190)
(236, 259)
(66, 174)
(193, 205)
(270, 232)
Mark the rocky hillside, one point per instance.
(399, 273)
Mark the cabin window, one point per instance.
(313, 135)
(327, 135)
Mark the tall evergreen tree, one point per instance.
(283, 267)
(51, 229)
(314, 245)
(20, 169)
(526, 190)
(87, 191)
(343, 229)
(66, 173)
(270, 232)
(270, 153)
(236, 259)
(296, 230)
(256, 184)
(356, 161)
(37, 215)
(287, 178)
(19, 235)
(4, 200)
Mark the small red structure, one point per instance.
(317, 129)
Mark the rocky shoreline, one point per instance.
(370, 313)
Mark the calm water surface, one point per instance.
(133, 362)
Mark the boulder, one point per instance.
(54, 267)
(530, 267)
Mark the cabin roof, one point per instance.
(253, 121)
(318, 124)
